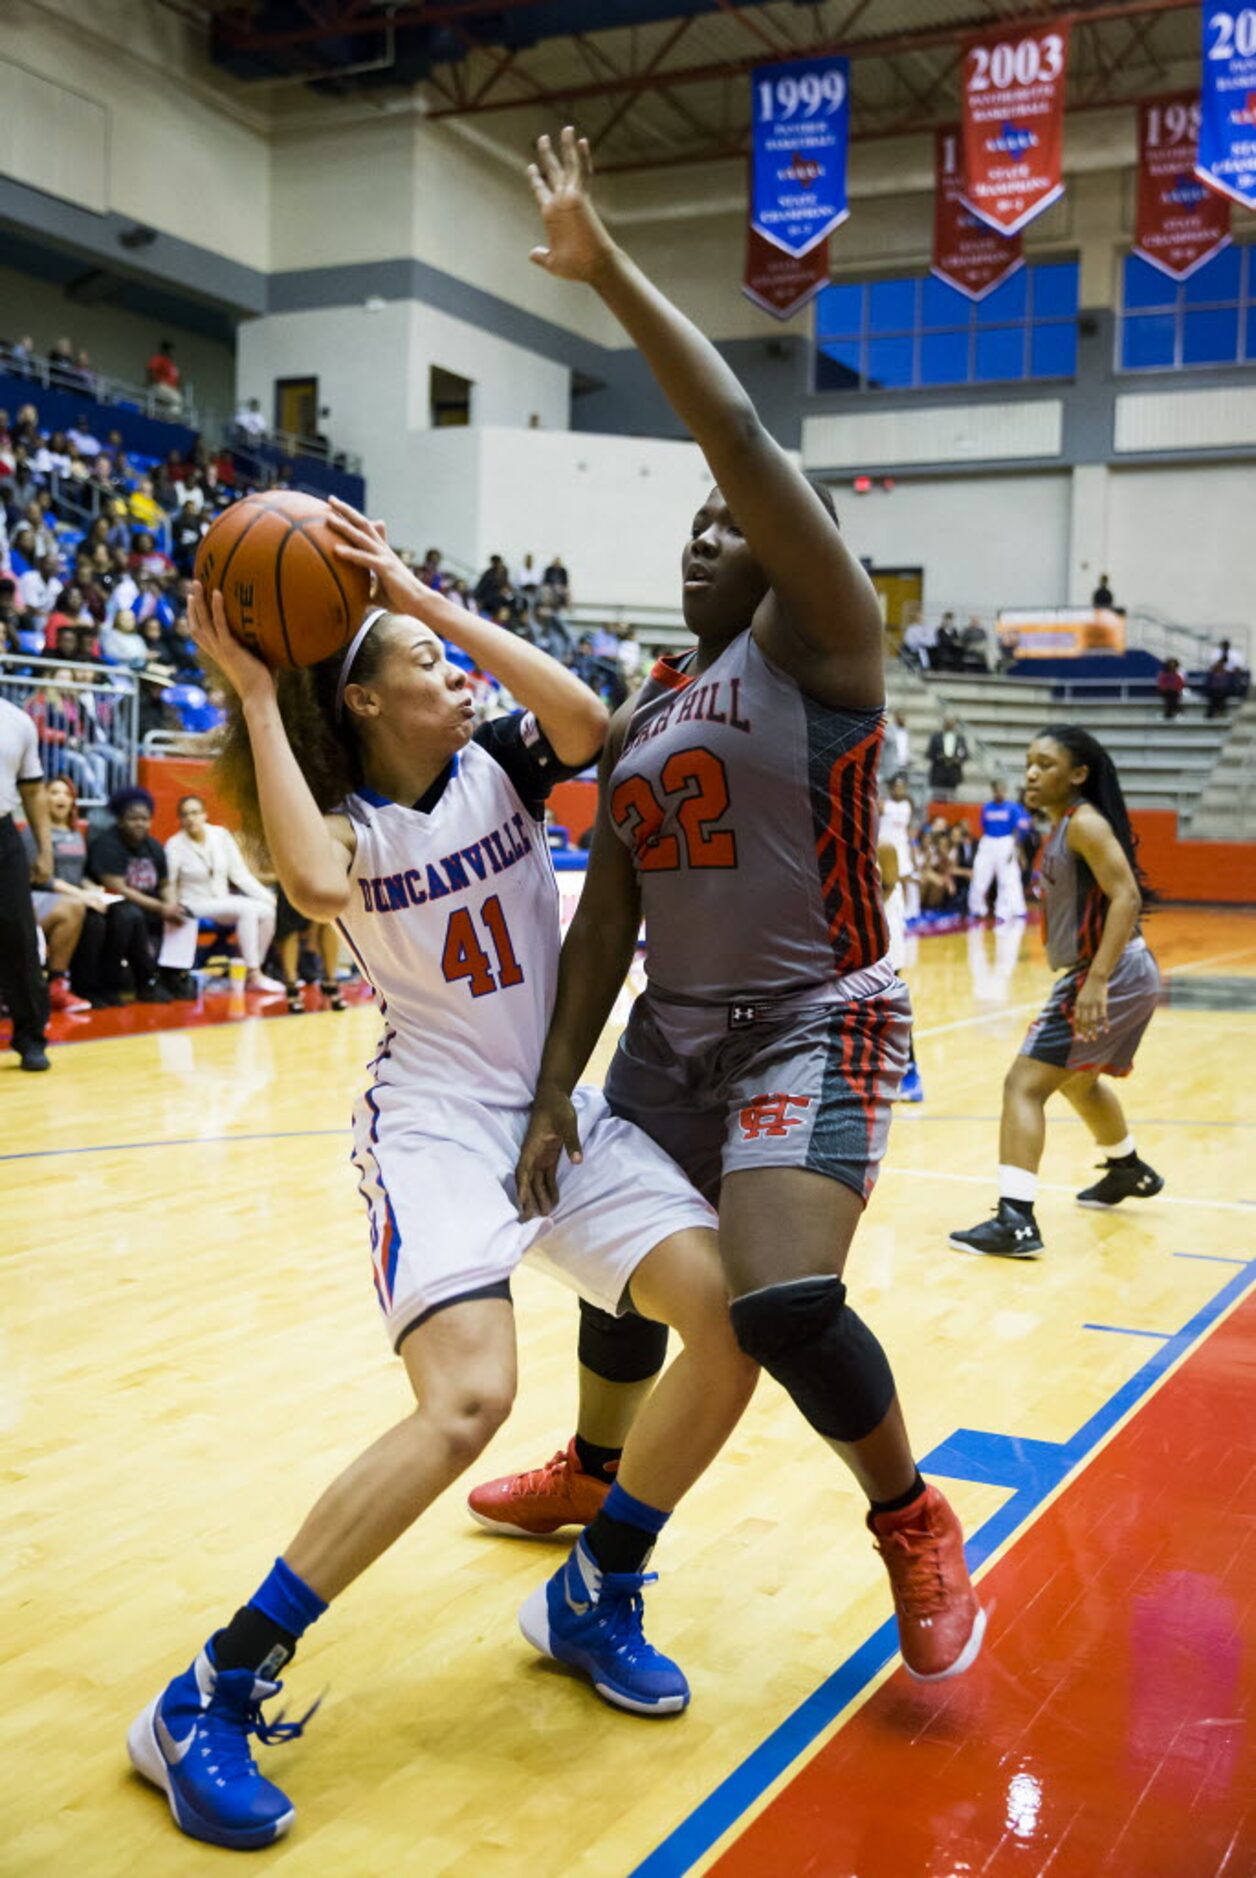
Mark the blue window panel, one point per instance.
(837, 366)
(890, 362)
(1147, 342)
(1007, 302)
(1000, 354)
(1210, 336)
(1055, 290)
(1053, 350)
(892, 306)
(1217, 279)
(944, 358)
(840, 309)
(1250, 353)
(943, 305)
(1144, 285)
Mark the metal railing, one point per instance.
(80, 503)
(102, 388)
(86, 724)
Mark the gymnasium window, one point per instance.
(1208, 319)
(904, 334)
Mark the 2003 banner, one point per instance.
(1227, 127)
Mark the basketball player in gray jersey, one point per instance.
(1093, 1022)
(738, 814)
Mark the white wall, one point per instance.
(983, 541)
(1180, 542)
(120, 343)
(152, 133)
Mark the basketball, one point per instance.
(289, 597)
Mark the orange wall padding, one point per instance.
(1220, 871)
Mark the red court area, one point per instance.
(1109, 1726)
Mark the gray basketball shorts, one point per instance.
(804, 1080)
(1133, 991)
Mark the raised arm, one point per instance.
(595, 959)
(826, 625)
(572, 717)
(311, 858)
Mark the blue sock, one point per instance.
(621, 1536)
(263, 1634)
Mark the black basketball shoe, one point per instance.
(1122, 1180)
(1011, 1234)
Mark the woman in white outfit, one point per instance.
(213, 881)
(897, 811)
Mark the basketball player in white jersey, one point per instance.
(381, 809)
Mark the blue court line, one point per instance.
(1210, 1258)
(1033, 1469)
(1128, 1330)
(172, 1141)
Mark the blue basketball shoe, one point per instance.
(192, 1741)
(911, 1089)
(592, 1621)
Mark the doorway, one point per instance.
(296, 406)
(449, 398)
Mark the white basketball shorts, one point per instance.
(439, 1185)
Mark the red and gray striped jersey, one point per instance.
(750, 810)
(1074, 904)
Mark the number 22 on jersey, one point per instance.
(695, 786)
(465, 957)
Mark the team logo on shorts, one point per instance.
(768, 1115)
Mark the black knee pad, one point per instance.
(621, 1349)
(825, 1356)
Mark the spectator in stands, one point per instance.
(61, 907)
(1170, 683)
(974, 647)
(22, 357)
(126, 860)
(1008, 640)
(61, 364)
(918, 644)
(144, 506)
(165, 381)
(493, 589)
(1219, 682)
(210, 877)
(249, 420)
(897, 753)
(40, 587)
(68, 609)
(185, 535)
(946, 645)
(118, 530)
(121, 642)
(430, 574)
(556, 576)
(10, 615)
(631, 657)
(526, 579)
(1102, 595)
(947, 753)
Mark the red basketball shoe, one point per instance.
(527, 1506)
(61, 997)
(940, 1623)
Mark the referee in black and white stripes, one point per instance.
(21, 976)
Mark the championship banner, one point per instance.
(1179, 223)
(782, 284)
(967, 254)
(800, 118)
(1227, 127)
(1014, 124)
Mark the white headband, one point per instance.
(355, 646)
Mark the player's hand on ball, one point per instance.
(366, 544)
(552, 1128)
(561, 180)
(242, 669)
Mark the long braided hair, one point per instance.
(1102, 788)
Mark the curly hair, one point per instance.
(327, 749)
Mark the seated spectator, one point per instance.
(631, 657)
(165, 381)
(209, 876)
(84, 376)
(947, 752)
(118, 528)
(946, 646)
(10, 612)
(83, 437)
(61, 364)
(1170, 683)
(1218, 687)
(526, 579)
(68, 609)
(22, 357)
(557, 577)
(64, 736)
(918, 645)
(69, 911)
(24, 556)
(40, 587)
(1102, 595)
(127, 861)
(249, 419)
(186, 530)
(493, 589)
(974, 647)
(152, 601)
(159, 664)
(121, 643)
(144, 506)
(1009, 646)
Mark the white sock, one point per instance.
(1120, 1148)
(1017, 1183)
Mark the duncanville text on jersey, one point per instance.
(416, 886)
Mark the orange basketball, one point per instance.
(289, 597)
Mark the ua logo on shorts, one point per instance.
(769, 1115)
